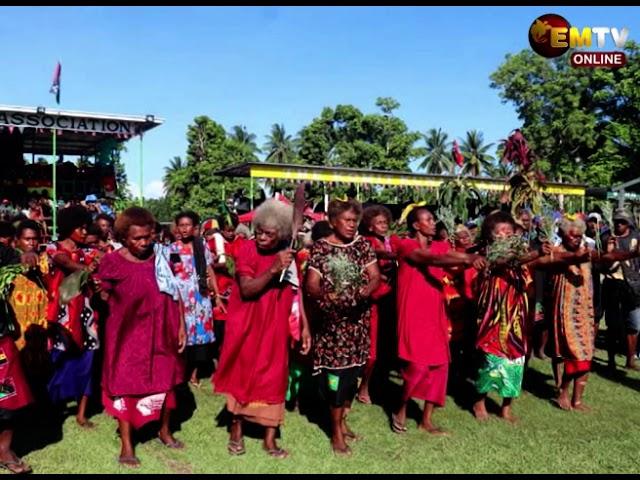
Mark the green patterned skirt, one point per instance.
(502, 375)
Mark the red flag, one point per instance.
(55, 84)
(457, 155)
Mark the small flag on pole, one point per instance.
(457, 155)
(55, 84)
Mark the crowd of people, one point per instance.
(127, 311)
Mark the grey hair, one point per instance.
(274, 214)
(461, 229)
(566, 225)
(242, 229)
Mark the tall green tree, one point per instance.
(346, 137)
(576, 115)
(387, 105)
(280, 146)
(477, 160)
(240, 134)
(499, 169)
(191, 184)
(437, 158)
(175, 183)
(161, 209)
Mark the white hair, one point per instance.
(242, 229)
(566, 225)
(274, 214)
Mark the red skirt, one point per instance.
(139, 410)
(575, 367)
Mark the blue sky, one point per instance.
(259, 65)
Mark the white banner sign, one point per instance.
(64, 122)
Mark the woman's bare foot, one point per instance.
(480, 411)
(85, 422)
(168, 440)
(341, 450)
(581, 407)
(129, 461)
(350, 435)
(14, 464)
(128, 458)
(562, 402)
(505, 414)
(433, 430)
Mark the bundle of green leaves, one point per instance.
(8, 274)
(344, 273)
(72, 285)
(507, 250)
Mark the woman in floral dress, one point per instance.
(193, 268)
(342, 274)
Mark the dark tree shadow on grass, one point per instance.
(537, 383)
(38, 426)
(620, 376)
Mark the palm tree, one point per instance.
(477, 160)
(240, 134)
(500, 170)
(171, 185)
(280, 147)
(438, 152)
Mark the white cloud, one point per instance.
(153, 189)
(133, 189)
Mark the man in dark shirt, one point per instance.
(621, 292)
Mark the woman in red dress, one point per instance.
(253, 368)
(423, 326)
(144, 333)
(376, 220)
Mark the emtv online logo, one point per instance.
(552, 35)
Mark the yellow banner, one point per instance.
(311, 174)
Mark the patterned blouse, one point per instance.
(340, 320)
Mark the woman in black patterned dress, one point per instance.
(342, 273)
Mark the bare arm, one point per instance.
(561, 258)
(29, 259)
(374, 280)
(449, 259)
(212, 283)
(251, 288)
(182, 328)
(313, 288)
(305, 333)
(615, 256)
(64, 261)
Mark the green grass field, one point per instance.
(546, 440)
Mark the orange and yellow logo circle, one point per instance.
(540, 35)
